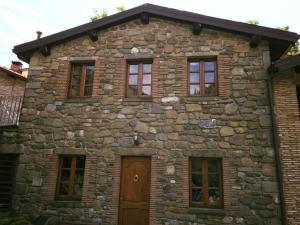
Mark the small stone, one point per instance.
(33, 85)
(128, 110)
(141, 127)
(193, 108)
(70, 135)
(265, 120)
(227, 219)
(152, 130)
(231, 108)
(169, 99)
(50, 108)
(226, 131)
(121, 116)
(134, 50)
(172, 181)
(270, 186)
(238, 71)
(171, 114)
(182, 118)
(108, 87)
(170, 170)
(81, 133)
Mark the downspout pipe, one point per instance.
(276, 143)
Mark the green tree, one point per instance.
(103, 13)
(253, 22)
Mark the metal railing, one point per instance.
(10, 109)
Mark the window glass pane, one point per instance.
(194, 89)
(213, 166)
(213, 180)
(209, 66)
(147, 79)
(133, 68)
(197, 195)
(132, 90)
(80, 162)
(214, 197)
(194, 67)
(209, 77)
(210, 89)
(75, 91)
(63, 189)
(88, 90)
(77, 70)
(79, 176)
(146, 90)
(65, 175)
(194, 78)
(78, 190)
(67, 162)
(196, 180)
(147, 68)
(133, 79)
(196, 165)
(89, 75)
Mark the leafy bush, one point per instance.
(8, 218)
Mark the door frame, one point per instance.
(121, 181)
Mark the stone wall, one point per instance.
(234, 126)
(287, 114)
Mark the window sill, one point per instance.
(137, 99)
(220, 212)
(202, 98)
(66, 203)
(81, 100)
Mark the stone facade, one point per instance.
(234, 126)
(287, 114)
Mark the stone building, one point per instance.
(150, 116)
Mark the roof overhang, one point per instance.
(279, 40)
(292, 62)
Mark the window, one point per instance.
(206, 182)
(70, 178)
(202, 77)
(139, 79)
(82, 75)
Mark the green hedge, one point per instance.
(8, 218)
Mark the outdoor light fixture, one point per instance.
(136, 138)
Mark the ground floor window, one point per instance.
(70, 177)
(206, 188)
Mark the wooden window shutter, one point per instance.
(181, 76)
(62, 80)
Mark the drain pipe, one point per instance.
(276, 144)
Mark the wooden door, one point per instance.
(135, 191)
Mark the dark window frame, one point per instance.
(71, 183)
(205, 186)
(201, 73)
(140, 74)
(83, 74)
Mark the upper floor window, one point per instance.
(202, 77)
(82, 75)
(139, 79)
(206, 182)
(70, 177)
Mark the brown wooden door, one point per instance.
(135, 191)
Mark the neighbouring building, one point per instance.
(286, 91)
(151, 116)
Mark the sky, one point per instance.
(20, 19)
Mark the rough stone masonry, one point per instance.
(234, 126)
